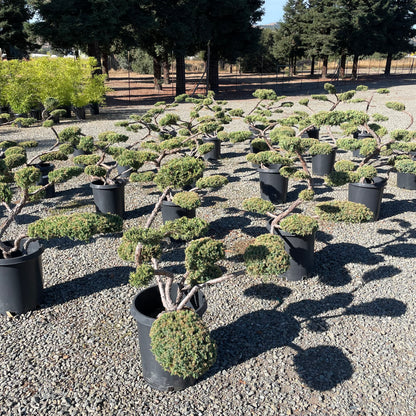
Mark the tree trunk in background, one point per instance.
(324, 67)
(157, 74)
(213, 83)
(180, 75)
(387, 68)
(342, 64)
(313, 66)
(105, 65)
(166, 70)
(355, 66)
(94, 51)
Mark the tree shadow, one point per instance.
(330, 262)
(268, 291)
(405, 250)
(86, 285)
(222, 226)
(396, 207)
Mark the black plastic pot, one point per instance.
(124, 171)
(172, 212)
(215, 153)
(36, 113)
(94, 108)
(369, 194)
(312, 133)
(406, 180)
(79, 112)
(21, 281)
(273, 186)
(301, 251)
(360, 135)
(322, 165)
(45, 168)
(108, 198)
(145, 308)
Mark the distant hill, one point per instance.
(270, 26)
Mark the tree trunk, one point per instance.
(324, 67)
(355, 66)
(157, 74)
(313, 66)
(105, 65)
(342, 64)
(166, 70)
(213, 84)
(295, 63)
(387, 68)
(180, 75)
(94, 51)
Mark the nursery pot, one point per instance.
(79, 112)
(360, 135)
(145, 308)
(301, 252)
(312, 133)
(94, 108)
(172, 212)
(215, 153)
(273, 186)
(369, 194)
(124, 171)
(36, 113)
(322, 165)
(108, 198)
(406, 180)
(45, 168)
(21, 281)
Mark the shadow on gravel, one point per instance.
(330, 262)
(86, 285)
(396, 207)
(322, 367)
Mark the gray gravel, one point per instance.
(339, 343)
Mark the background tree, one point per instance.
(14, 34)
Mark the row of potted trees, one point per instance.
(176, 347)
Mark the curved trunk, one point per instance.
(157, 74)
(166, 70)
(342, 64)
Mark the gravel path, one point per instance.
(339, 343)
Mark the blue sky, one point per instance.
(273, 11)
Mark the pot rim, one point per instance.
(97, 184)
(379, 182)
(35, 252)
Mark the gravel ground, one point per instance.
(339, 343)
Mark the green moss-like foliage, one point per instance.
(343, 211)
(259, 145)
(135, 159)
(35, 194)
(27, 176)
(367, 172)
(361, 88)
(307, 195)
(86, 143)
(6, 194)
(208, 272)
(29, 144)
(383, 91)
(405, 166)
(15, 160)
(403, 135)
(336, 118)
(64, 174)
(258, 205)
(205, 148)
(338, 178)
(280, 132)
(48, 123)
(5, 116)
(142, 275)
(239, 136)
(295, 144)
(15, 150)
(304, 101)
(344, 166)
(182, 345)
(404, 146)
(345, 96)
(266, 257)
(299, 224)
(368, 146)
(213, 181)
(319, 97)
(330, 88)
(5, 144)
(86, 159)
(24, 121)
(79, 226)
(203, 251)
(143, 177)
(269, 157)
(320, 149)
(379, 117)
(179, 172)
(94, 170)
(264, 94)
(187, 200)
(348, 143)
(111, 137)
(394, 105)
(171, 144)
(58, 113)
(186, 229)
(51, 156)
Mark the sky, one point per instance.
(273, 11)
